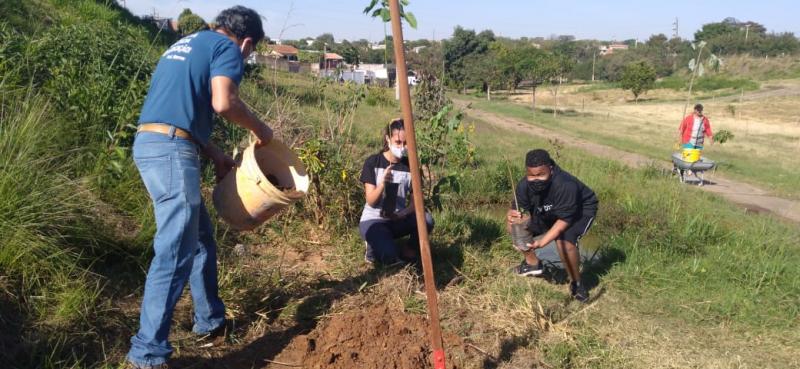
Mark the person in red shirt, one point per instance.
(694, 128)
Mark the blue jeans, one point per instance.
(381, 233)
(184, 246)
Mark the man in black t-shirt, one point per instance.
(560, 208)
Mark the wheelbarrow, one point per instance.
(685, 169)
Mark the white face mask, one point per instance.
(398, 152)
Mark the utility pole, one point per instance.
(675, 29)
(746, 31)
(594, 58)
(676, 37)
(325, 57)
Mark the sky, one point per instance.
(585, 19)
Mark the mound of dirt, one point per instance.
(373, 338)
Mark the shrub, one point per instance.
(189, 23)
(638, 77)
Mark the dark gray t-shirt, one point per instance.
(373, 170)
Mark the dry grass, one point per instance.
(659, 342)
(762, 68)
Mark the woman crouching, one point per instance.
(387, 215)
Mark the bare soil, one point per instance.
(376, 337)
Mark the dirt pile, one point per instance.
(376, 337)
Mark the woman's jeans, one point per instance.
(381, 233)
(184, 246)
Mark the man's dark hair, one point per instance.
(698, 107)
(241, 22)
(537, 158)
(395, 125)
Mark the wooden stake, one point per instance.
(511, 180)
(416, 185)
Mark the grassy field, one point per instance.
(683, 279)
(763, 152)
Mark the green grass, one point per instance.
(598, 86)
(708, 83)
(774, 172)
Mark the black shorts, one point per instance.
(572, 234)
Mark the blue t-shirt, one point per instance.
(180, 90)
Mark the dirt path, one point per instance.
(748, 196)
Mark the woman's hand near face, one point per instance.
(387, 174)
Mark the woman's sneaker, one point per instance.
(369, 255)
(526, 270)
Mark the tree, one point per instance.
(638, 78)
(463, 43)
(383, 12)
(484, 70)
(537, 67)
(514, 61)
(350, 53)
(697, 68)
(189, 22)
(561, 66)
(428, 60)
(712, 30)
(323, 41)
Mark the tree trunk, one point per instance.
(533, 98)
(691, 81)
(488, 92)
(555, 108)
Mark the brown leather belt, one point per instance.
(164, 129)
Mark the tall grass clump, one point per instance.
(46, 241)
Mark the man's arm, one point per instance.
(708, 131)
(558, 227)
(680, 131)
(222, 162)
(226, 102)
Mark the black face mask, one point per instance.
(539, 186)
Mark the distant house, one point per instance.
(608, 50)
(418, 49)
(332, 60)
(286, 52)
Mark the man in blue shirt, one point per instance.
(195, 78)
